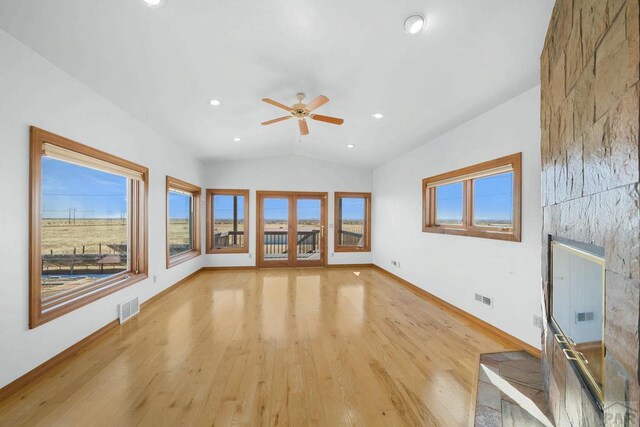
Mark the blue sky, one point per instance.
(310, 209)
(94, 194)
(493, 198)
(223, 207)
(179, 205)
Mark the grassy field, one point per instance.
(60, 237)
(89, 236)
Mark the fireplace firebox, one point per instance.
(577, 294)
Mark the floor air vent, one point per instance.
(128, 309)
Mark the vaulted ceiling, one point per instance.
(164, 65)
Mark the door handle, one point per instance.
(321, 231)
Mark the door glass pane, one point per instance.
(493, 200)
(308, 229)
(351, 225)
(276, 228)
(180, 222)
(84, 215)
(449, 204)
(228, 221)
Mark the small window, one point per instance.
(183, 221)
(88, 225)
(450, 204)
(480, 201)
(353, 222)
(227, 225)
(493, 201)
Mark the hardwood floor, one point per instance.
(316, 346)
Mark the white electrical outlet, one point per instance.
(155, 278)
(250, 255)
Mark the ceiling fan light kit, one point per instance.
(302, 112)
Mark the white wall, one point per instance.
(286, 173)
(34, 92)
(454, 268)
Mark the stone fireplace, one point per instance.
(590, 193)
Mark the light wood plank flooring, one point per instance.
(331, 347)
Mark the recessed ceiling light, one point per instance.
(154, 3)
(214, 102)
(377, 115)
(350, 145)
(236, 139)
(414, 23)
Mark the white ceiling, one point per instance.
(164, 65)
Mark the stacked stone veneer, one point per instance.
(590, 187)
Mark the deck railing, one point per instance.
(349, 238)
(229, 239)
(276, 242)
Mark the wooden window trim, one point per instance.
(211, 249)
(466, 176)
(367, 219)
(195, 191)
(41, 311)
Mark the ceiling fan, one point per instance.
(301, 111)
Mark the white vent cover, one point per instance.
(485, 300)
(128, 309)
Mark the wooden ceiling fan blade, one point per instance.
(304, 127)
(327, 119)
(276, 103)
(316, 103)
(279, 119)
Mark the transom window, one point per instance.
(353, 222)
(183, 221)
(480, 201)
(88, 225)
(227, 225)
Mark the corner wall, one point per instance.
(454, 268)
(590, 122)
(35, 92)
(286, 173)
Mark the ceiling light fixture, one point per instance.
(236, 139)
(214, 102)
(350, 145)
(154, 3)
(414, 23)
(377, 116)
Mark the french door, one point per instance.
(292, 229)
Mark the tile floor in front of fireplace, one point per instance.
(510, 391)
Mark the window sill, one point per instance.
(67, 303)
(243, 250)
(183, 257)
(352, 249)
(481, 233)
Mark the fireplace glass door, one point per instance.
(577, 308)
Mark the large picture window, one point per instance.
(480, 201)
(227, 225)
(353, 222)
(183, 221)
(88, 235)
